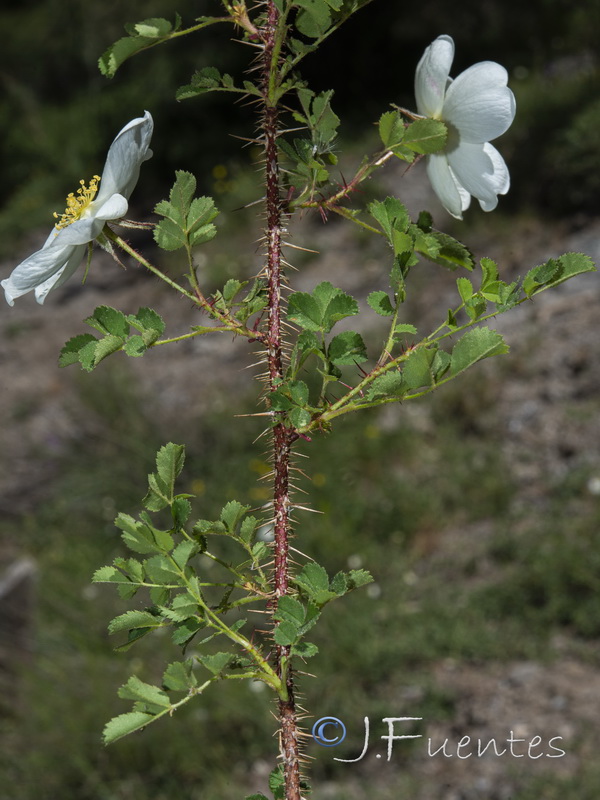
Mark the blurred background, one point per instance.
(476, 510)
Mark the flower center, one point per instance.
(77, 204)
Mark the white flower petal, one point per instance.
(114, 208)
(125, 156)
(452, 196)
(62, 276)
(432, 76)
(37, 269)
(465, 197)
(481, 170)
(501, 174)
(479, 103)
(81, 231)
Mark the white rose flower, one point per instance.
(476, 107)
(86, 214)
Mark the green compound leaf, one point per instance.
(347, 348)
(202, 212)
(314, 17)
(152, 28)
(278, 401)
(441, 365)
(142, 35)
(179, 676)
(476, 306)
(183, 607)
(318, 115)
(128, 582)
(509, 295)
(358, 577)
(145, 693)
(489, 272)
(381, 303)
(465, 289)
(132, 568)
(161, 485)
(120, 726)
(444, 250)
(183, 552)
(161, 570)
(185, 631)
(108, 575)
(405, 327)
(87, 356)
(180, 511)
(231, 288)
(295, 619)
(277, 783)
(305, 311)
(299, 417)
(323, 120)
(209, 79)
(417, 369)
(291, 610)
(106, 347)
(425, 136)
(298, 392)
(313, 576)
(285, 634)
(131, 620)
(314, 582)
(187, 222)
(556, 271)
(248, 529)
(108, 320)
(391, 214)
(71, 352)
(169, 463)
(135, 346)
(390, 384)
(291, 397)
(320, 310)
(304, 649)
(216, 662)
(391, 129)
(114, 327)
(475, 345)
(232, 514)
(142, 537)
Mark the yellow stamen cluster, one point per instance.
(77, 204)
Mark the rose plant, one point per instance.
(313, 374)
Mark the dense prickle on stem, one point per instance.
(282, 438)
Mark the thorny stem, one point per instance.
(282, 437)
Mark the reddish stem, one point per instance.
(283, 437)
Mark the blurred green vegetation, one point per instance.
(58, 113)
(391, 488)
